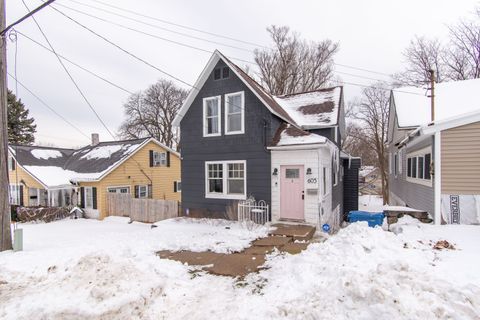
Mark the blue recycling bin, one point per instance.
(373, 218)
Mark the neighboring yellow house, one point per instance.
(144, 168)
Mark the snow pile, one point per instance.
(46, 154)
(108, 269)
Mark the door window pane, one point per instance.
(292, 173)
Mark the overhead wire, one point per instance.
(69, 75)
(47, 105)
(76, 64)
(154, 25)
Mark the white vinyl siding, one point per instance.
(234, 113)
(212, 116)
(226, 179)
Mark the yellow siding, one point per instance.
(17, 176)
(461, 159)
(137, 171)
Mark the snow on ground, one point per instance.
(370, 203)
(75, 269)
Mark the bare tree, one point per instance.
(151, 113)
(372, 113)
(356, 145)
(421, 56)
(295, 65)
(464, 56)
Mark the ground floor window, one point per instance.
(124, 190)
(225, 179)
(418, 166)
(14, 194)
(88, 197)
(143, 191)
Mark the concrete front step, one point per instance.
(299, 232)
(272, 241)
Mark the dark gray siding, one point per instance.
(260, 126)
(412, 194)
(328, 133)
(350, 186)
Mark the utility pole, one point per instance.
(5, 233)
(432, 94)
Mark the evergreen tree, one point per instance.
(20, 127)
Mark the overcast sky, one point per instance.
(372, 35)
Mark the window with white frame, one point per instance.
(395, 164)
(225, 179)
(124, 190)
(159, 159)
(177, 186)
(14, 194)
(211, 116)
(88, 197)
(143, 191)
(418, 167)
(234, 113)
(11, 163)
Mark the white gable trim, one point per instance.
(203, 78)
(458, 121)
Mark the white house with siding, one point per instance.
(434, 165)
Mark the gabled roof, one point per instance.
(309, 110)
(288, 135)
(313, 109)
(451, 99)
(55, 167)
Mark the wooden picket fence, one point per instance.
(142, 210)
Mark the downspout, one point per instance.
(437, 191)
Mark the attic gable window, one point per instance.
(159, 159)
(211, 116)
(221, 73)
(234, 113)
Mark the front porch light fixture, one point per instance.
(275, 172)
(309, 170)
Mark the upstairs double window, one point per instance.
(234, 115)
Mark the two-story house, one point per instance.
(239, 141)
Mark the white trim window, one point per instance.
(89, 197)
(14, 194)
(212, 116)
(121, 189)
(418, 167)
(143, 191)
(178, 186)
(226, 179)
(159, 159)
(234, 113)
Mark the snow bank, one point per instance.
(108, 269)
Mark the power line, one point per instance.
(375, 87)
(77, 65)
(153, 25)
(149, 34)
(69, 75)
(180, 25)
(29, 14)
(218, 35)
(122, 49)
(47, 106)
(183, 44)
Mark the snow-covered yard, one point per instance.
(75, 269)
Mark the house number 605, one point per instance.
(312, 180)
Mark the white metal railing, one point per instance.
(253, 211)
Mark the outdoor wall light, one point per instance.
(309, 170)
(275, 172)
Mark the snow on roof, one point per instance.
(451, 99)
(288, 135)
(86, 164)
(313, 109)
(46, 153)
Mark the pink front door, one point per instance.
(291, 192)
